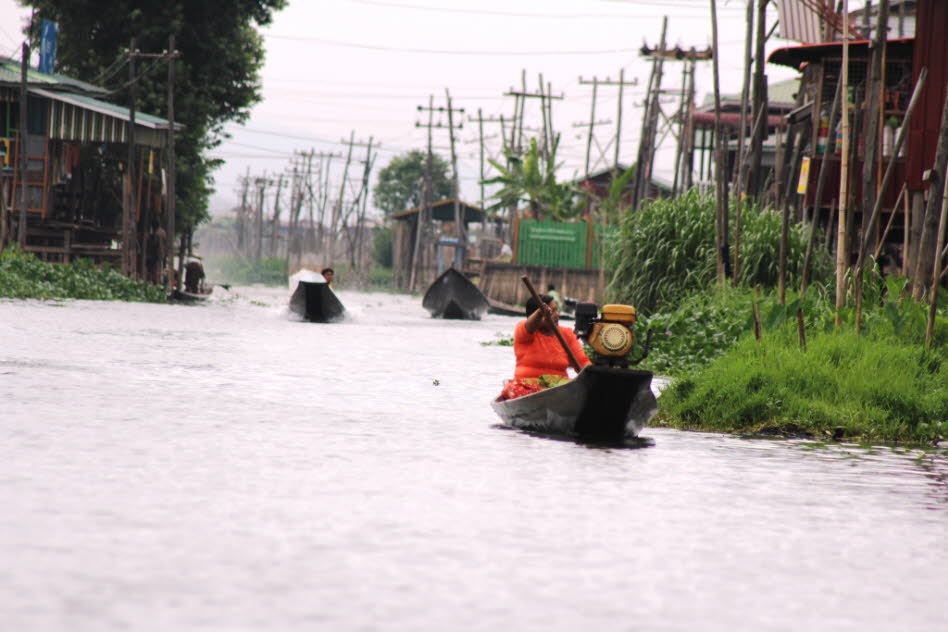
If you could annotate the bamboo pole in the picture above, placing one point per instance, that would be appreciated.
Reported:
(719, 170)
(936, 268)
(885, 232)
(745, 95)
(842, 253)
(877, 207)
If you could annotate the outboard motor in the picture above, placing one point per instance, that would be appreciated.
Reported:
(610, 334)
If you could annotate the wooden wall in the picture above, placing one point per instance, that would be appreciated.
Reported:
(501, 281)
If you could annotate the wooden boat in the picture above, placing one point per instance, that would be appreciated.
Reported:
(184, 296)
(316, 302)
(504, 309)
(452, 295)
(601, 402)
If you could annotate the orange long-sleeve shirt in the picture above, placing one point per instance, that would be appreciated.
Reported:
(541, 354)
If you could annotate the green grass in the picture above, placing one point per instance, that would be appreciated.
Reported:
(240, 271)
(844, 386)
(24, 276)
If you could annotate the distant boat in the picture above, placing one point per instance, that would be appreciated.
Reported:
(504, 309)
(184, 296)
(315, 301)
(452, 295)
(601, 402)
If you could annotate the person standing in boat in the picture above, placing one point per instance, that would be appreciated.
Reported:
(328, 274)
(536, 347)
(194, 276)
(551, 290)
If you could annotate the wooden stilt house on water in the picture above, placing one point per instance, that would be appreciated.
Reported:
(922, 44)
(63, 171)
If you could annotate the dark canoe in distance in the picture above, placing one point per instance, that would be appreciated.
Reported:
(316, 302)
(504, 309)
(452, 295)
(184, 296)
(600, 403)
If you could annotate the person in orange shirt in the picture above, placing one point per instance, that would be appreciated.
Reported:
(536, 347)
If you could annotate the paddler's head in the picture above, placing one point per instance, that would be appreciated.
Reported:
(533, 306)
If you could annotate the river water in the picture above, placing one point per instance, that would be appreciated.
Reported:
(225, 467)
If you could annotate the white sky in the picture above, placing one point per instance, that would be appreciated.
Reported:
(334, 67)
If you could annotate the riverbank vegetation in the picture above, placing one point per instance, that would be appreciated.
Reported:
(246, 271)
(25, 276)
(743, 361)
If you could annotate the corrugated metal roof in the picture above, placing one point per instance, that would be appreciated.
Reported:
(10, 74)
(102, 107)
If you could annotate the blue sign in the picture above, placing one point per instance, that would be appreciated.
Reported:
(47, 61)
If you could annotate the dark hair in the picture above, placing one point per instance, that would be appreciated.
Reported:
(533, 306)
(325, 270)
(550, 287)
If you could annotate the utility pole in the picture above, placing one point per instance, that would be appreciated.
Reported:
(621, 84)
(480, 120)
(170, 173)
(545, 99)
(337, 207)
(760, 102)
(459, 226)
(275, 222)
(261, 193)
(128, 215)
(643, 164)
(242, 214)
(449, 111)
(739, 183)
(421, 220)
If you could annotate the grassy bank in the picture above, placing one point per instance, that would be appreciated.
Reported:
(843, 386)
(25, 276)
(881, 385)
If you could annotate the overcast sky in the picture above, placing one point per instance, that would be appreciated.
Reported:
(334, 67)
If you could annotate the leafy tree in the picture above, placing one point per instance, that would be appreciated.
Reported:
(530, 182)
(216, 77)
(401, 182)
(382, 251)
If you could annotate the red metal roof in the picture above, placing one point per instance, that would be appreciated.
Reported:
(794, 56)
(706, 119)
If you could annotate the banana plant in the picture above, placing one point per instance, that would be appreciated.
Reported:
(528, 183)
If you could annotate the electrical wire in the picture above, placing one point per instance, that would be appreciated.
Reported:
(428, 51)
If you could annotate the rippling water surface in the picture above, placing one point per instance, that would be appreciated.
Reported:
(224, 467)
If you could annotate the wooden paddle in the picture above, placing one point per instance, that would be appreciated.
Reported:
(556, 330)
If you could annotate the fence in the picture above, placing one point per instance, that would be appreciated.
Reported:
(558, 244)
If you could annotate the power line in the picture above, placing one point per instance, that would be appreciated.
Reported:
(429, 51)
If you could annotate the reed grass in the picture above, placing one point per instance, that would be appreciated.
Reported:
(666, 251)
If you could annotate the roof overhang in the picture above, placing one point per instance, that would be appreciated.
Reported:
(796, 56)
(443, 211)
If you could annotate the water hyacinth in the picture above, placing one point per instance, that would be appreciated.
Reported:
(24, 276)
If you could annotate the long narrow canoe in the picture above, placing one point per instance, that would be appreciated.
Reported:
(316, 302)
(601, 402)
(452, 295)
(183, 296)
